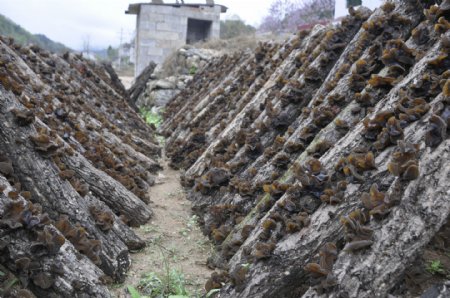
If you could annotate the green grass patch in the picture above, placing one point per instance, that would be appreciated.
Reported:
(169, 283)
(151, 117)
(155, 285)
(193, 70)
(435, 267)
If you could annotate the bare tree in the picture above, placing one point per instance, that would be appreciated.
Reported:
(278, 11)
(288, 15)
(86, 44)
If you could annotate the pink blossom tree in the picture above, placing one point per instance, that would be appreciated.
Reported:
(288, 15)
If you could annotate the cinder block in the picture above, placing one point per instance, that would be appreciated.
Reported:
(165, 35)
(163, 29)
(148, 34)
(147, 25)
(154, 51)
(164, 44)
(147, 43)
(156, 58)
(173, 19)
(156, 17)
(162, 26)
(163, 9)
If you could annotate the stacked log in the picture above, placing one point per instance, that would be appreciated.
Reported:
(140, 84)
(339, 151)
(76, 165)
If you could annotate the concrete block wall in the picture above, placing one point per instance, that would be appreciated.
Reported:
(161, 29)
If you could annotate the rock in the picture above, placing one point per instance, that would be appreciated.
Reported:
(181, 85)
(157, 97)
(165, 84)
(173, 75)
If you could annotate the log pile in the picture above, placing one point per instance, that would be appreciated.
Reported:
(320, 167)
(76, 163)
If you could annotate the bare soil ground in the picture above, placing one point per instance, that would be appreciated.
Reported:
(174, 239)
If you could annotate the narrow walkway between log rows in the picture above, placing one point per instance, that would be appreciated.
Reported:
(175, 242)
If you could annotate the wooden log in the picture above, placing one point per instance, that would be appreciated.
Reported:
(39, 174)
(394, 234)
(45, 268)
(139, 85)
(198, 168)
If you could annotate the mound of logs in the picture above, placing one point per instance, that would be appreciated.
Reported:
(319, 167)
(76, 163)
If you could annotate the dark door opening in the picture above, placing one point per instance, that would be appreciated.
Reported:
(198, 30)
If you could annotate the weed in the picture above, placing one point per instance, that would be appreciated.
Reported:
(172, 251)
(163, 285)
(190, 226)
(174, 194)
(133, 292)
(161, 140)
(169, 283)
(435, 267)
(151, 117)
(193, 221)
(8, 284)
(193, 70)
(117, 285)
(149, 229)
(156, 240)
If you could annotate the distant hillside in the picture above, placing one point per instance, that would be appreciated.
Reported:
(22, 36)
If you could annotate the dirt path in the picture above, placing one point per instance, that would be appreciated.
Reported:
(175, 242)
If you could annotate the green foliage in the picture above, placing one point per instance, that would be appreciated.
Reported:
(156, 285)
(112, 53)
(151, 117)
(235, 28)
(168, 284)
(435, 267)
(133, 292)
(190, 226)
(8, 284)
(192, 70)
(23, 37)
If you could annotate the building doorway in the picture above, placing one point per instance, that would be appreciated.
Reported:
(198, 30)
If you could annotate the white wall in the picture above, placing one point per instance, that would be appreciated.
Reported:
(341, 10)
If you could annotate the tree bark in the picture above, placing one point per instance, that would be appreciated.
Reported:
(70, 101)
(140, 83)
(69, 273)
(265, 254)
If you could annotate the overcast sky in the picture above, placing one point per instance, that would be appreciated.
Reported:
(73, 21)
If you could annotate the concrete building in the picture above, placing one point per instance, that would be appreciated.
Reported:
(162, 28)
